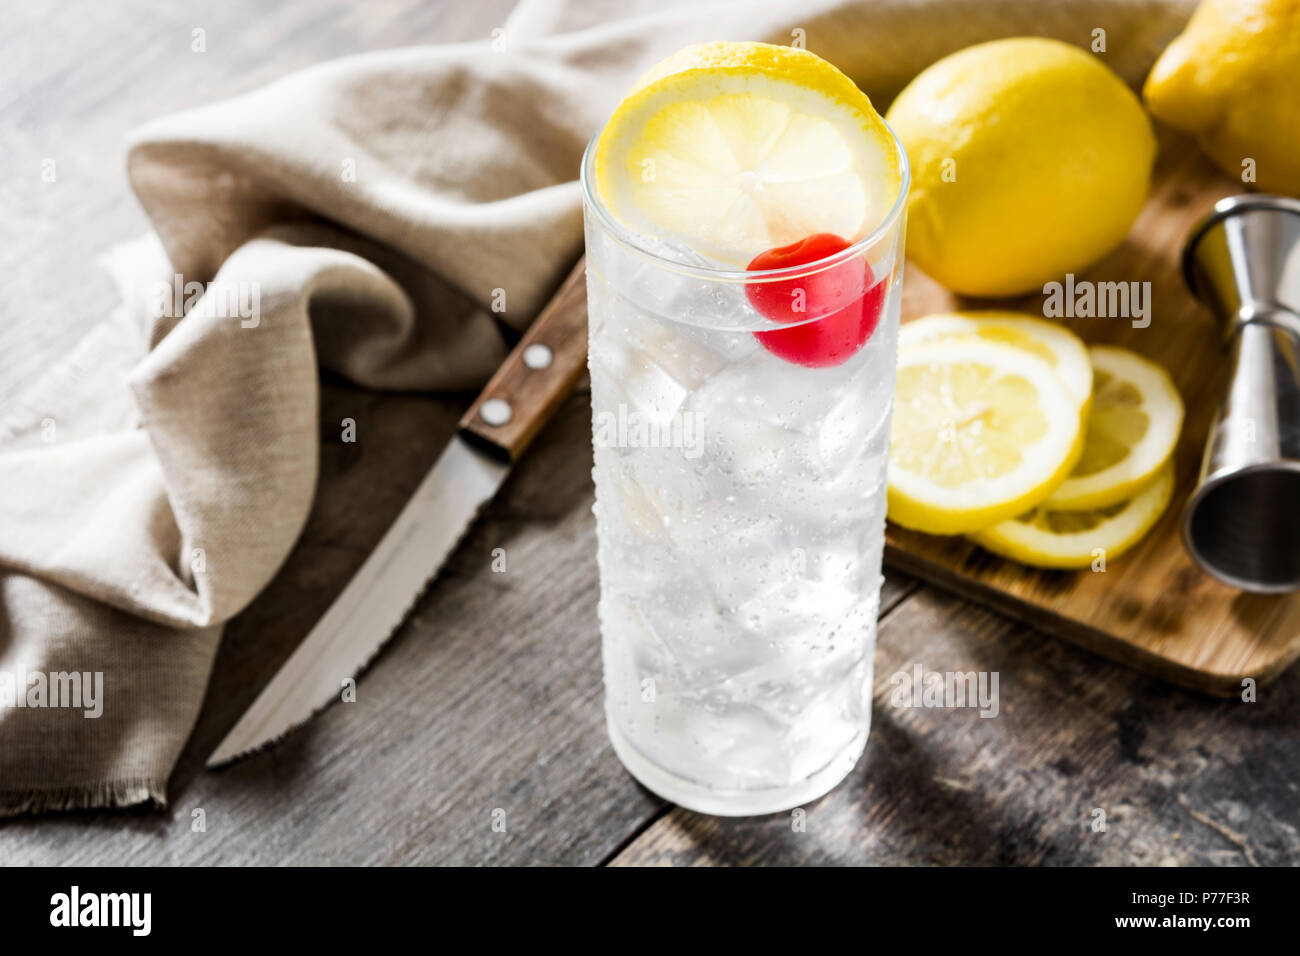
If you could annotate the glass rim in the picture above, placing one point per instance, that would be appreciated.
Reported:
(632, 241)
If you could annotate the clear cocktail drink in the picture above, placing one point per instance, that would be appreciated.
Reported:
(741, 429)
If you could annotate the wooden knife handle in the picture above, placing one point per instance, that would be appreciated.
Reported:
(537, 376)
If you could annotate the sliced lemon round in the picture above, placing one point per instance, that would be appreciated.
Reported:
(1050, 341)
(1132, 429)
(1048, 538)
(982, 432)
(736, 148)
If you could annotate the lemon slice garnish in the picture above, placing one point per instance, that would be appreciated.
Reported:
(1077, 539)
(737, 148)
(982, 432)
(1050, 341)
(1132, 428)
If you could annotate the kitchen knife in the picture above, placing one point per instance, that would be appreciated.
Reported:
(523, 394)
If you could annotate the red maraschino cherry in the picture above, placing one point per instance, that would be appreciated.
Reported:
(838, 308)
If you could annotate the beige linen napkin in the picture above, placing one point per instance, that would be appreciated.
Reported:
(357, 217)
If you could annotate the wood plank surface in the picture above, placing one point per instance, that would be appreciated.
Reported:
(1151, 608)
(1181, 779)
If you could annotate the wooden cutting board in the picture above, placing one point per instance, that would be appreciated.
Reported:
(1152, 608)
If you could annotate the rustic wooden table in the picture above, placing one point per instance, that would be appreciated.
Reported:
(489, 699)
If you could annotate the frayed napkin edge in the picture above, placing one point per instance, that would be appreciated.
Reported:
(108, 794)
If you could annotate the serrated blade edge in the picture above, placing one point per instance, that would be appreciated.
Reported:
(375, 602)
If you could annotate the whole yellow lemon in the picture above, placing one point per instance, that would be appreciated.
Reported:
(1232, 79)
(1030, 159)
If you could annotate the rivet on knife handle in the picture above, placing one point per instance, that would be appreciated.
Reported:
(539, 374)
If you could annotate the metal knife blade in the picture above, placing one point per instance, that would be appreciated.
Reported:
(375, 601)
(536, 377)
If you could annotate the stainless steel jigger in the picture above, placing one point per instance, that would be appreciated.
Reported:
(1242, 524)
